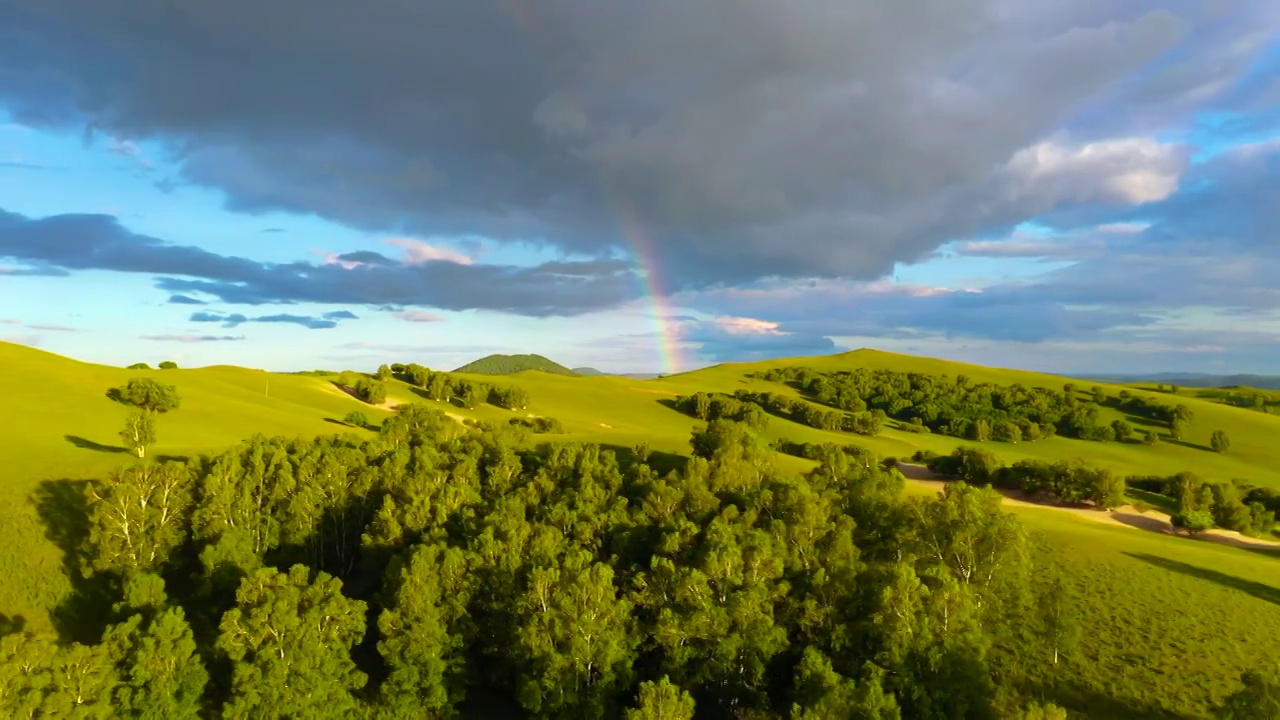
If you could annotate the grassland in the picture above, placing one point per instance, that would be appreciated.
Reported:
(1170, 622)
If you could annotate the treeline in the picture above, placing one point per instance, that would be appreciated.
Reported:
(402, 574)
(754, 410)
(1201, 505)
(1067, 481)
(445, 387)
(1198, 505)
(983, 412)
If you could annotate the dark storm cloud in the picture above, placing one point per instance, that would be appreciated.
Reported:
(814, 138)
(99, 242)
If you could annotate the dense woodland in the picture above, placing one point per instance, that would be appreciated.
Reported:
(401, 575)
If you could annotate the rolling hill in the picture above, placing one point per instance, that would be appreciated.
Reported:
(509, 364)
(1170, 622)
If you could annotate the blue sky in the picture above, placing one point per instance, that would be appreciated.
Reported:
(1071, 187)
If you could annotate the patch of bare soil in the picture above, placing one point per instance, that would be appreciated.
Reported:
(1125, 516)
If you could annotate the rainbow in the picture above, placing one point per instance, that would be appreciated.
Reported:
(646, 258)
(640, 244)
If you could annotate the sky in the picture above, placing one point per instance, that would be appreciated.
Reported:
(1073, 186)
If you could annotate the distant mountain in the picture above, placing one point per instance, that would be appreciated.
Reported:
(507, 364)
(588, 371)
(1196, 380)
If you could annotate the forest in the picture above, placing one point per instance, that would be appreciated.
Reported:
(408, 574)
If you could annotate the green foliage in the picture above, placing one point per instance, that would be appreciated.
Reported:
(355, 418)
(148, 395)
(139, 432)
(168, 365)
(509, 398)
(384, 373)
(1220, 442)
(289, 640)
(137, 518)
(161, 674)
(508, 364)
(139, 366)
(370, 391)
(661, 701)
(541, 425)
(1193, 522)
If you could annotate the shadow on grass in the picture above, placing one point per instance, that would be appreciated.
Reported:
(86, 444)
(1091, 702)
(85, 613)
(1256, 589)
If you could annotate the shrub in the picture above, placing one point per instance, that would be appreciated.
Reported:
(139, 366)
(370, 391)
(168, 365)
(355, 418)
(1193, 521)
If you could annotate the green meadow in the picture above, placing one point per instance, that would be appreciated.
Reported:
(1169, 622)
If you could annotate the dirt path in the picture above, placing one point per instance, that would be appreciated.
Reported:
(1125, 516)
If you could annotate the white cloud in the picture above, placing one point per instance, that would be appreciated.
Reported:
(746, 326)
(1132, 170)
(417, 252)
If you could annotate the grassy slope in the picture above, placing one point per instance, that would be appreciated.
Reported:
(65, 428)
(1170, 622)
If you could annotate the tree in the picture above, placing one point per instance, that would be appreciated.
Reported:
(1108, 489)
(661, 701)
(574, 641)
(290, 641)
(1150, 438)
(1099, 395)
(384, 373)
(139, 432)
(370, 391)
(162, 676)
(472, 394)
(719, 435)
(148, 395)
(168, 365)
(1123, 430)
(139, 366)
(1059, 623)
(355, 418)
(1220, 442)
(137, 517)
(423, 639)
(1193, 521)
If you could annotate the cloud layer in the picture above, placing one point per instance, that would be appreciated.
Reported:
(819, 138)
(98, 242)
